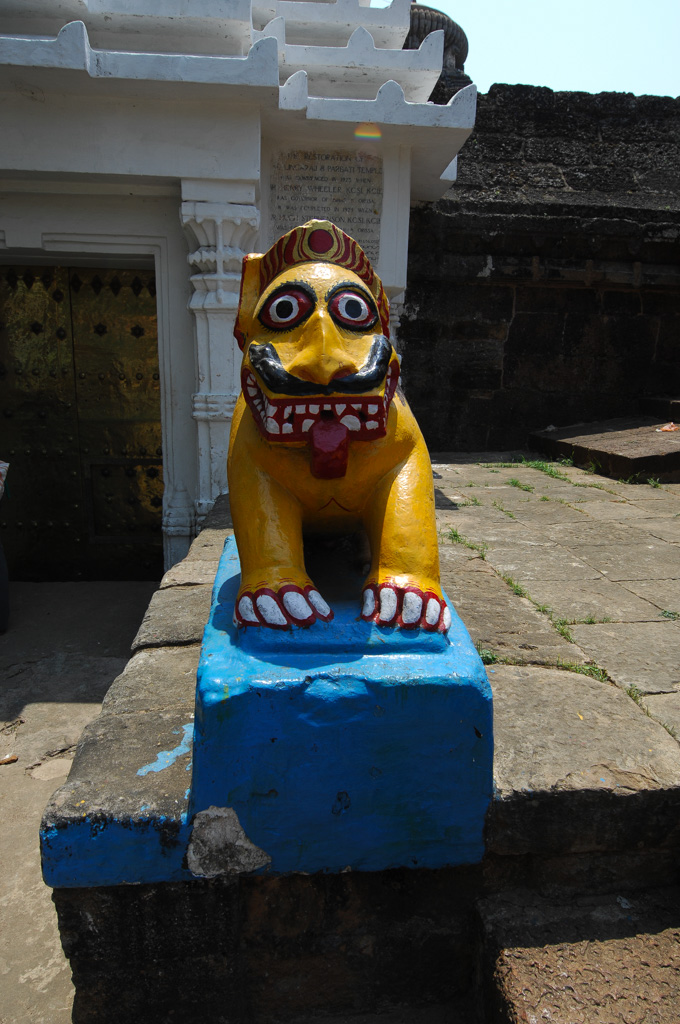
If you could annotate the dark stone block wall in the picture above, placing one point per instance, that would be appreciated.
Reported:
(544, 288)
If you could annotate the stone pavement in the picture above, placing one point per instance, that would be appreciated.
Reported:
(550, 565)
(65, 645)
(569, 583)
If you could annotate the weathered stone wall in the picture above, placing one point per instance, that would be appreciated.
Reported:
(544, 288)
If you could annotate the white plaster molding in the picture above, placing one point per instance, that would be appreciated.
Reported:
(332, 24)
(390, 106)
(44, 185)
(357, 70)
(185, 26)
(71, 51)
(179, 523)
(213, 407)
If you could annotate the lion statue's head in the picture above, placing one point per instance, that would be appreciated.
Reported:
(313, 323)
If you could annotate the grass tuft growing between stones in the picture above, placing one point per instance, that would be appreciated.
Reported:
(505, 511)
(636, 695)
(488, 656)
(667, 614)
(458, 538)
(514, 482)
(562, 627)
(516, 588)
(592, 671)
(550, 469)
(545, 467)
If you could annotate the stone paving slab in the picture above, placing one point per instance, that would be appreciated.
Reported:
(665, 708)
(188, 573)
(600, 599)
(542, 513)
(475, 526)
(665, 594)
(648, 559)
(641, 654)
(539, 560)
(572, 757)
(662, 529)
(578, 535)
(65, 644)
(657, 500)
(611, 960)
(615, 510)
(500, 623)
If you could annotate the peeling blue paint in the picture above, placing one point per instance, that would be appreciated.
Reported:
(106, 851)
(165, 758)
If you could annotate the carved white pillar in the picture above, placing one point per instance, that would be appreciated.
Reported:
(397, 305)
(179, 521)
(221, 234)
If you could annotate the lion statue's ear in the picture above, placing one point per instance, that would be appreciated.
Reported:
(250, 293)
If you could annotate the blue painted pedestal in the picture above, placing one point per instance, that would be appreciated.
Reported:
(345, 744)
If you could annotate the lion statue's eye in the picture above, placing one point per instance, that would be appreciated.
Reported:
(351, 309)
(286, 309)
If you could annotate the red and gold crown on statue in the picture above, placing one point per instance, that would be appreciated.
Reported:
(317, 241)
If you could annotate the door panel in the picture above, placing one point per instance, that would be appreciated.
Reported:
(80, 406)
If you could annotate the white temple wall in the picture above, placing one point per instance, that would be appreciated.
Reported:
(50, 131)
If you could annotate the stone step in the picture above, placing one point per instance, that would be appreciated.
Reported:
(663, 406)
(589, 960)
(465, 1010)
(633, 447)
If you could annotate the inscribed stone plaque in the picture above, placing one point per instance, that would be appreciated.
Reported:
(343, 186)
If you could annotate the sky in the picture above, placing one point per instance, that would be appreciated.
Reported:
(574, 45)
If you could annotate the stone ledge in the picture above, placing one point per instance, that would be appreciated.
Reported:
(176, 616)
(130, 776)
(607, 958)
(578, 768)
(620, 448)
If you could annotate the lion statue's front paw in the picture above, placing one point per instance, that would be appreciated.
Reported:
(282, 607)
(408, 607)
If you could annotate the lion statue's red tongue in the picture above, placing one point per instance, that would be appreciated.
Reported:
(330, 448)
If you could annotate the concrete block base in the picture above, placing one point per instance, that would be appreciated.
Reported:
(343, 745)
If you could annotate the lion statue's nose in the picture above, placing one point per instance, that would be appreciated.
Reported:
(322, 361)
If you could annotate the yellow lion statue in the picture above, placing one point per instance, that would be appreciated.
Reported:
(323, 440)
